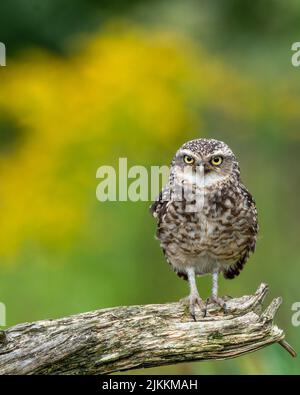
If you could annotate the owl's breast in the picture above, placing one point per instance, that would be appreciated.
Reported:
(222, 229)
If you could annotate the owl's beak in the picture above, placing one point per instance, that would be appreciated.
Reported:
(200, 164)
(200, 167)
(200, 171)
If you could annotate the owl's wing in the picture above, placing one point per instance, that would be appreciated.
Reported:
(235, 269)
(252, 209)
(158, 208)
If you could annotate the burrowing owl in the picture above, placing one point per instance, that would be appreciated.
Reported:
(207, 220)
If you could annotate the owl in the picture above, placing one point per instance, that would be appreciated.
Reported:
(206, 218)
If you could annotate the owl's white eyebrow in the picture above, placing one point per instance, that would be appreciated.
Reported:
(218, 153)
(188, 152)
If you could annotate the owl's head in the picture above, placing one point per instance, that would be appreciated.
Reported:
(214, 157)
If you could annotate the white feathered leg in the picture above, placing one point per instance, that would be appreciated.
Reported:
(194, 298)
(214, 292)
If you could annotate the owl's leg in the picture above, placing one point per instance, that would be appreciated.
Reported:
(194, 298)
(215, 285)
(214, 292)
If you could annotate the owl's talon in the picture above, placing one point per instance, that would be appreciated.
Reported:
(193, 301)
(218, 301)
(205, 309)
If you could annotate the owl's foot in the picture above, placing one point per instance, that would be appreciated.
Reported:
(216, 300)
(192, 301)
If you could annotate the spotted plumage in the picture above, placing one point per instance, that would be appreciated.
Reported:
(206, 218)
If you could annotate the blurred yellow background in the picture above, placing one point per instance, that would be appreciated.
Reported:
(137, 81)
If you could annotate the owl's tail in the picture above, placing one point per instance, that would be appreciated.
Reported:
(236, 268)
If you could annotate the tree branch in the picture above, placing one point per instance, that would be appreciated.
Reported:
(123, 338)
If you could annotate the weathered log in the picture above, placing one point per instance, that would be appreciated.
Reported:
(124, 338)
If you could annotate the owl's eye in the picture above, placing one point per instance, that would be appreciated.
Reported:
(189, 160)
(216, 160)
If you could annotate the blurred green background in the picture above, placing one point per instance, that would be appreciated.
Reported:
(90, 81)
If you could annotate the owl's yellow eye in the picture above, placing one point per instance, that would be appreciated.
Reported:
(189, 160)
(216, 160)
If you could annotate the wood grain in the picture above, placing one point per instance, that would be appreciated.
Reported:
(124, 338)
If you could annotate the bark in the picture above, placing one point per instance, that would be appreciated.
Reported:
(124, 338)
